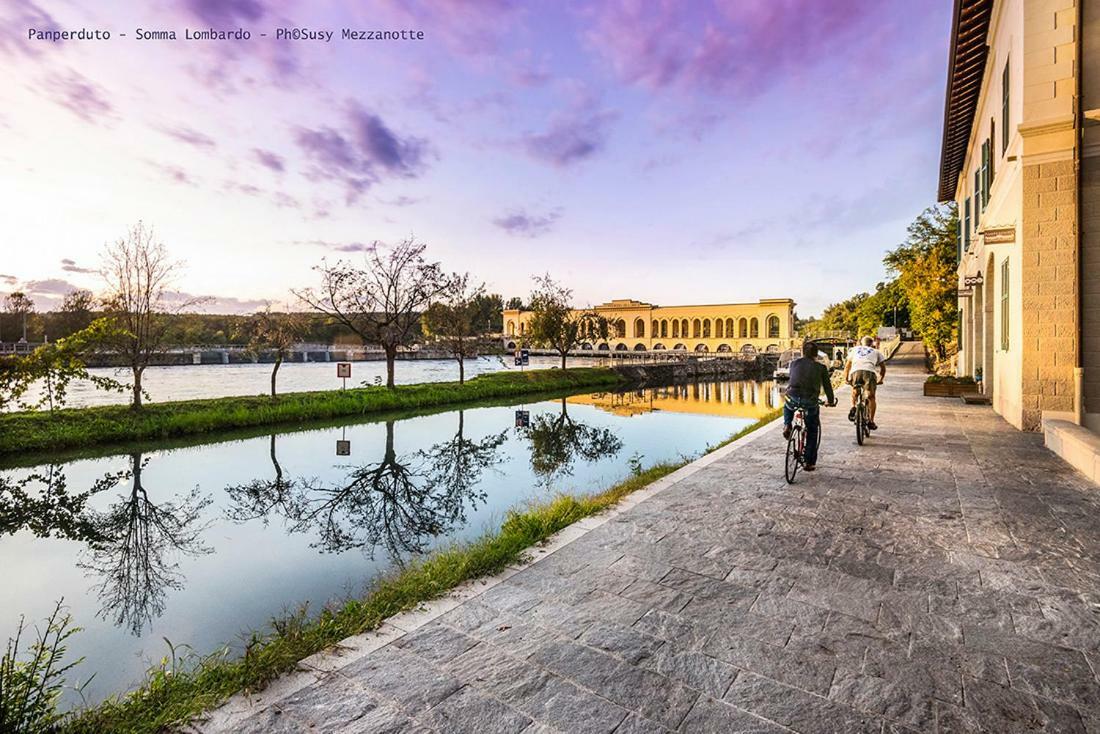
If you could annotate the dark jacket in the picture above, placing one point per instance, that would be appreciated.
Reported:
(808, 378)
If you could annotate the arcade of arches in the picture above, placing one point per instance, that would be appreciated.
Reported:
(767, 325)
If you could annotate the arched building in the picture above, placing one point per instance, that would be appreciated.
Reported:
(764, 326)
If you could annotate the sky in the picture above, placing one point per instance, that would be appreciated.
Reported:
(668, 151)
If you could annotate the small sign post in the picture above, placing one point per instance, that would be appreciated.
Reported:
(523, 419)
(343, 447)
(343, 371)
(523, 357)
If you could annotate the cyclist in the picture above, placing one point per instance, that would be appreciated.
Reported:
(866, 367)
(808, 378)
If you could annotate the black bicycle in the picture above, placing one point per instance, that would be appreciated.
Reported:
(796, 443)
(861, 418)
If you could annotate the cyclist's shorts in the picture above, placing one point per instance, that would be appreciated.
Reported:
(866, 378)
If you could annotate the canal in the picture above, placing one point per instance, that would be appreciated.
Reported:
(199, 544)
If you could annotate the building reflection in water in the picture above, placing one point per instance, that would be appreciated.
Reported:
(741, 399)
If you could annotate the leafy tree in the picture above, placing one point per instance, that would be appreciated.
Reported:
(488, 310)
(382, 302)
(925, 268)
(557, 441)
(139, 274)
(555, 324)
(59, 363)
(514, 303)
(20, 305)
(451, 321)
(77, 312)
(274, 333)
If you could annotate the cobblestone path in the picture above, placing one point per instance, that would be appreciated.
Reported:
(944, 577)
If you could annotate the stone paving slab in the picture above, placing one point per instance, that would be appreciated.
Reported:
(945, 577)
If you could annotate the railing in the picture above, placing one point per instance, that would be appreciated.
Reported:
(18, 347)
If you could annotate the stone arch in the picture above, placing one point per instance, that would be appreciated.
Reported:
(748, 349)
(772, 348)
(702, 348)
(511, 345)
(684, 328)
(620, 347)
(696, 328)
(729, 328)
(679, 348)
(639, 328)
(725, 348)
(773, 326)
(743, 328)
(664, 328)
(587, 345)
(754, 328)
(706, 328)
(511, 328)
(639, 347)
(675, 328)
(620, 329)
(522, 328)
(719, 329)
(603, 347)
(658, 347)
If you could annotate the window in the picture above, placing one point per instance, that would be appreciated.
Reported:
(992, 158)
(1004, 306)
(958, 240)
(987, 177)
(966, 228)
(1004, 109)
(754, 328)
(773, 327)
(978, 205)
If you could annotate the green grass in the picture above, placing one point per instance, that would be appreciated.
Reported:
(177, 691)
(81, 427)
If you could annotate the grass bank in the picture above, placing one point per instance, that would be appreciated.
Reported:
(81, 427)
(175, 692)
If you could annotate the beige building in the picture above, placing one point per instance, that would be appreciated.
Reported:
(1021, 157)
(764, 326)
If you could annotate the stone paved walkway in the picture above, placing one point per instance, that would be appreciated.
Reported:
(944, 577)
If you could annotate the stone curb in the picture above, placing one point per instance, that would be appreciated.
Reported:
(328, 662)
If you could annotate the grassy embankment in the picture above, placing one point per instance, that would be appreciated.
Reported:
(81, 427)
(174, 694)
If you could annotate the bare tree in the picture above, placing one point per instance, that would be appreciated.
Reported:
(382, 302)
(453, 320)
(275, 333)
(556, 324)
(19, 304)
(139, 274)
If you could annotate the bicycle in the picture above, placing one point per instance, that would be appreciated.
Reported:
(861, 420)
(796, 444)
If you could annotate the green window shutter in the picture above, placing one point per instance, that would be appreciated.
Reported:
(986, 178)
(1004, 306)
(958, 240)
(966, 228)
(992, 142)
(1004, 109)
(978, 206)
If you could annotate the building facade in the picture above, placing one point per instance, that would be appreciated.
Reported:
(764, 326)
(1020, 157)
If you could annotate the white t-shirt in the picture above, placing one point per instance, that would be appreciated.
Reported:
(865, 358)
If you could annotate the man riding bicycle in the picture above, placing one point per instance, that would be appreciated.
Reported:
(865, 367)
(808, 378)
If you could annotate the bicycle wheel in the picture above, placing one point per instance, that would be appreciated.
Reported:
(794, 455)
(819, 432)
(861, 424)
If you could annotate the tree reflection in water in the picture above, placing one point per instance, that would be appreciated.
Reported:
(399, 502)
(50, 510)
(136, 550)
(557, 441)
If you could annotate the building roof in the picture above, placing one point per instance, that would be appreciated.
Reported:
(966, 67)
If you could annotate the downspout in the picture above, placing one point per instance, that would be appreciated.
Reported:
(1078, 133)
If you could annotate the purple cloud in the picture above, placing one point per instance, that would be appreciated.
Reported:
(336, 246)
(222, 14)
(361, 155)
(81, 96)
(48, 287)
(521, 223)
(190, 136)
(571, 138)
(742, 46)
(284, 200)
(70, 266)
(8, 279)
(269, 160)
(18, 17)
(173, 173)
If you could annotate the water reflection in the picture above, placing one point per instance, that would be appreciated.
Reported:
(557, 441)
(51, 511)
(399, 503)
(135, 550)
(729, 399)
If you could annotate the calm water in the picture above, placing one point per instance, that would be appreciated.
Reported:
(188, 382)
(200, 544)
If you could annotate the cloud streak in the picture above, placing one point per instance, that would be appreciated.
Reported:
(521, 223)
